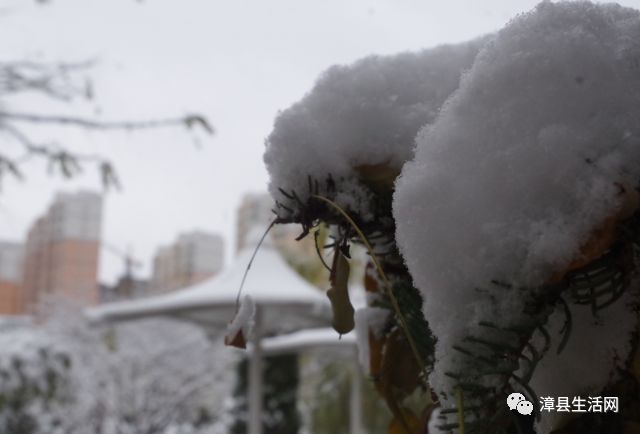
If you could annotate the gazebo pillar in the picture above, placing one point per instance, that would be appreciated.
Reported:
(255, 377)
(355, 398)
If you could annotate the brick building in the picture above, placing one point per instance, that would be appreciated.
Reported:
(62, 250)
(11, 257)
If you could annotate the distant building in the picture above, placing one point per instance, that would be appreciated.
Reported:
(192, 258)
(11, 258)
(62, 249)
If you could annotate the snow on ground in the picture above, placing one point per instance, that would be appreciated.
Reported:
(367, 113)
(520, 165)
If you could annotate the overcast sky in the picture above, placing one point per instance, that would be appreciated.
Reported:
(237, 62)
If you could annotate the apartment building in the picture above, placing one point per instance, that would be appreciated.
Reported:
(11, 259)
(193, 257)
(62, 250)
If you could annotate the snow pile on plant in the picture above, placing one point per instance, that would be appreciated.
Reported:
(360, 121)
(525, 160)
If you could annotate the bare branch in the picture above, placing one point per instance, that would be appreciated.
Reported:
(55, 80)
(59, 81)
(190, 121)
(68, 163)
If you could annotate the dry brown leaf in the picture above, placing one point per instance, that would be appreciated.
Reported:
(238, 340)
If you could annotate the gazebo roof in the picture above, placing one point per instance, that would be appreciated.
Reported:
(286, 300)
(310, 339)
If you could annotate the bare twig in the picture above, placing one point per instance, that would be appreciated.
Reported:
(58, 81)
(54, 80)
(190, 121)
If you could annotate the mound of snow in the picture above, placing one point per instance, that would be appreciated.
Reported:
(520, 166)
(365, 114)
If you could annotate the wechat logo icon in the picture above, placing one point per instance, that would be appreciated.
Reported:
(516, 401)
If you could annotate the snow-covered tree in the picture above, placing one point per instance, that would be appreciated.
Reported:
(504, 256)
(144, 377)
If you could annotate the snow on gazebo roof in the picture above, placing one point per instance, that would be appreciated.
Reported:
(315, 338)
(272, 284)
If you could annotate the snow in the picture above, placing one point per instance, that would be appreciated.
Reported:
(434, 422)
(92, 379)
(583, 368)
(367, 319)
(317, 339)
(244, 319)
(520, 166)
(364, 114)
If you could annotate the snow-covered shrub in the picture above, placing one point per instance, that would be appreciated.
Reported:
(523, 178)
(349, 137)
(34, 385)
(342, 146)
(346, 142)
(516, 217)
(143, 377)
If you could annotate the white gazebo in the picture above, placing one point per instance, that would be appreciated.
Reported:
(283, 300)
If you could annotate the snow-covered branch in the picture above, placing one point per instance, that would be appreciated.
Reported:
(146, 377)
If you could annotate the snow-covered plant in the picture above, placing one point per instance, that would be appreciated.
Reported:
(333, 158)
(33, 384)
(518, 217)
(348, 138)
(148, 377)
(162, 373)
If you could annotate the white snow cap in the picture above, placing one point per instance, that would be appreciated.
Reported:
(367, 113)
(520, 165)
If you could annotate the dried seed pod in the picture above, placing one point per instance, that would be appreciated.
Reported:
(338, 294)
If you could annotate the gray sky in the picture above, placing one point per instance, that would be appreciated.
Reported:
(238, 62)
